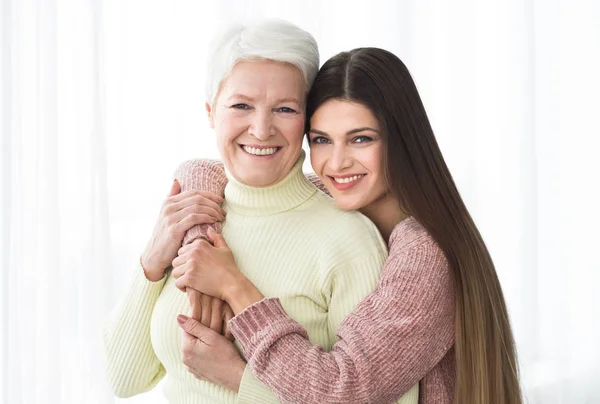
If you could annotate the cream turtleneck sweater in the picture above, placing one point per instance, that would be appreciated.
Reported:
(293, 243)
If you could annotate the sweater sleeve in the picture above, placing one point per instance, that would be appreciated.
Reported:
(131, 364)
(388, 344)
(201, 175)
(316, 181)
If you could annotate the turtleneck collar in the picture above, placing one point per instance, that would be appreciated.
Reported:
(287, 194)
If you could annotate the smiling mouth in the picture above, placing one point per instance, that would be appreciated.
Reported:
(347, 180)
(260, 151)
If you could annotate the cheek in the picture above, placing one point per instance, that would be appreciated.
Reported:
(375, 161)
(317, 159)
(372, 158)
(227, 128)
(293, 129)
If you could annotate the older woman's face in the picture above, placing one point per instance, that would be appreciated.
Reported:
(258, 118)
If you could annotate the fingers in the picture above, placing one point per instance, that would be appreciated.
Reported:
(206, 310)
(190, 221)
(198, 204)
(228, 316)
(179, 267)
(190, 325)
(216, 318)
(227, 333)
(216, 239)
(195, 299)
(182, 283)
(185, 259)
(184, 254)
(189, 247)
(208, 196)
(175, 189)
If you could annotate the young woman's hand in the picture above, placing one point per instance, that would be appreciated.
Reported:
(179, 213)
(210, 269)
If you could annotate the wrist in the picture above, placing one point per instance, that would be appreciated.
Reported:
(241, 293)
(236, 376)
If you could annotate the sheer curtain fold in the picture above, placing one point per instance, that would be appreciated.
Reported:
(101, 100)
(55, 221)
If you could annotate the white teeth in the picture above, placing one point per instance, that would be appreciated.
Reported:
(347, 180)
(260, 152)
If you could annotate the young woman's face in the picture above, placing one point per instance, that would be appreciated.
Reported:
(346, 153)
(258, 117)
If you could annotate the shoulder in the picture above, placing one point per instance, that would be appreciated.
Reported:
(408, 234)
(198, 166)
(350, 223)
(414, 253)
(343, 236)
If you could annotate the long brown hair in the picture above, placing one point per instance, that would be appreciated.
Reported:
(486, 360)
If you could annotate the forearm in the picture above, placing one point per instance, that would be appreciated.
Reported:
(240, 293)
(201, 175)
(277, 347)
(357, 370)
(385, 346)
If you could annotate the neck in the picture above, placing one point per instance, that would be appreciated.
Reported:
(287, 194)
(386, 213)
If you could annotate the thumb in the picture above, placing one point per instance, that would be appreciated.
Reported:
(175, 188)
(191, 326)
(216, 239)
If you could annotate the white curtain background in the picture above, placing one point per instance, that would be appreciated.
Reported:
(102, 99)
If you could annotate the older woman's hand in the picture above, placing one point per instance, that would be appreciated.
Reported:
(179, 213)
(210, 269)
(209, 356)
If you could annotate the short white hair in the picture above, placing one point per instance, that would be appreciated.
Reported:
(270, 39)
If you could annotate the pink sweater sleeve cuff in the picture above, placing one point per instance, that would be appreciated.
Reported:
(201, 175)
(262, 323)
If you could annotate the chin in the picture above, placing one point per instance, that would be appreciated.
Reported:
(347, 204)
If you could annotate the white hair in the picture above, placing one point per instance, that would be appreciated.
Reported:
(270, 39)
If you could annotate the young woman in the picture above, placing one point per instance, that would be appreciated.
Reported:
(438, 314)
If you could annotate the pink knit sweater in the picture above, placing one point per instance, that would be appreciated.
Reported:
(402, 333)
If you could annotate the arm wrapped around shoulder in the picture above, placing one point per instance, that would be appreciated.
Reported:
(202, 175)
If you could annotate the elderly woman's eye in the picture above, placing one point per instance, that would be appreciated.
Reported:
(240, 106)
(286, 110)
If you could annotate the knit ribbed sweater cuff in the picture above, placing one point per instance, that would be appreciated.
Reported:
(262, 323)
(201, 175)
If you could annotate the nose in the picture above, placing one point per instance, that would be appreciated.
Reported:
(340, 158)
(262, 126)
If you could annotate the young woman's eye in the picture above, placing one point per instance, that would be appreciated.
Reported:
(362, 139)
(286, 110)
(240, 106)
(319, 140)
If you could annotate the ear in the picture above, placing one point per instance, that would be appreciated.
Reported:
(210, 115)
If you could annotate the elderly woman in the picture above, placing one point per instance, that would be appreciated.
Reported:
(289, 238)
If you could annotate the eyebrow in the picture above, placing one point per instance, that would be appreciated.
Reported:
(278, 101)
(350, 132)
